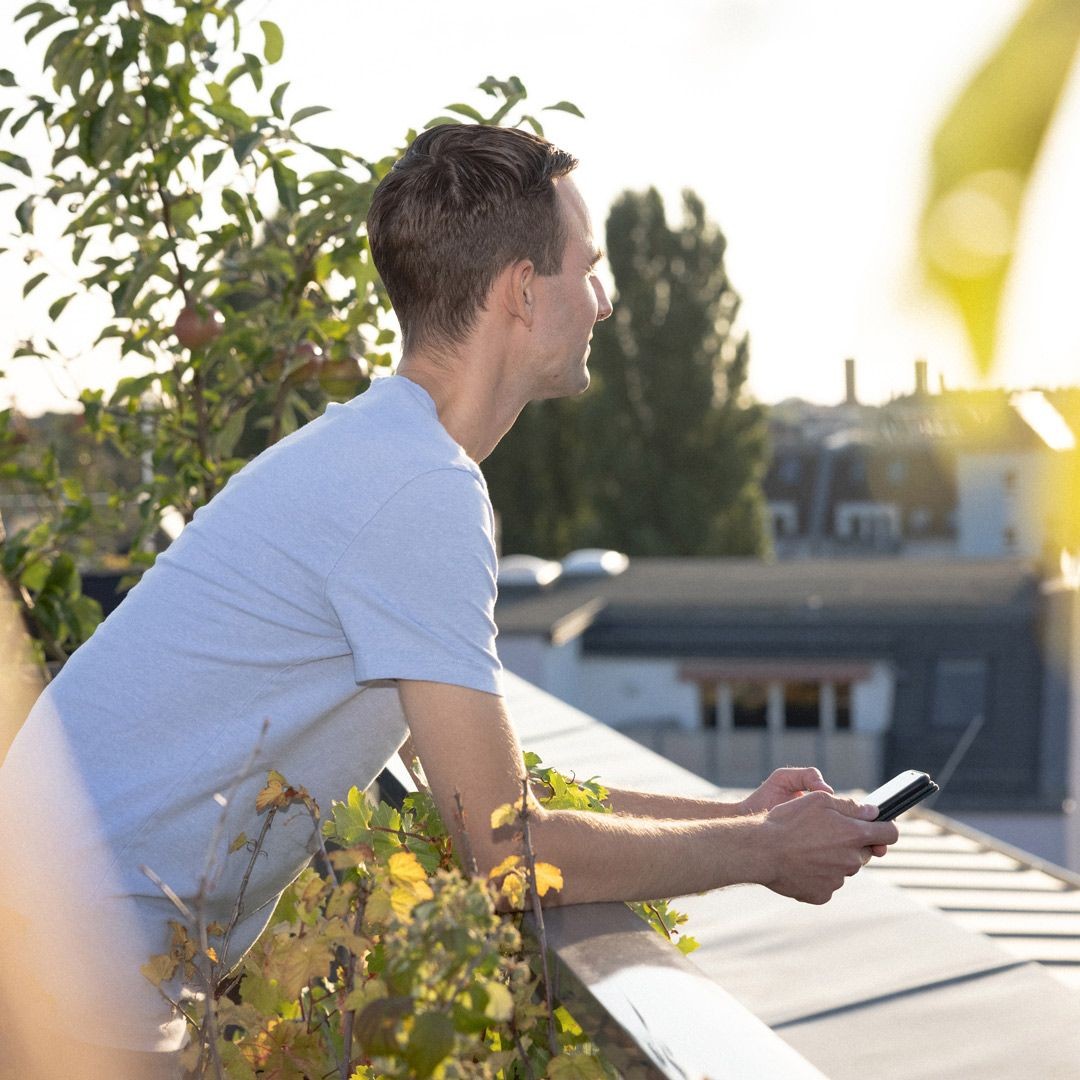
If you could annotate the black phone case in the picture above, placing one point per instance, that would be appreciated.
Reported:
(905, 800)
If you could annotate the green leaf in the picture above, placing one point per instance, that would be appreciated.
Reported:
(13, 161)
(6, 77)
(57, 306)
(564, 106)
(35, 575)
(4, 114)
(286, 182)
(211, 162)
(274, 42)
(466, 110)
(33, 283)
(430, 1040)
(245, 144)
(48, 17)
(310, 110)
(24, 213)
(276, 99)
(377, 1024)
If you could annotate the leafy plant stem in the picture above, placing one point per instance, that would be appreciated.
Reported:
(538, 914)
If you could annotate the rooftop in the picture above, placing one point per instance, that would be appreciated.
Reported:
(955, 956)
(748, 590)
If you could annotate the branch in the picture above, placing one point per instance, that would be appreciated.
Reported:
(538, 915)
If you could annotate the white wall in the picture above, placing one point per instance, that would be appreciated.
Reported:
(988, 506)
(554, 668)
(620, 691)
(872, 700)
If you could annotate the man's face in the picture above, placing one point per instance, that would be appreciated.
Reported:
(569, 304)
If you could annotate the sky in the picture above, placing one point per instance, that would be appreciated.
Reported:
(805, 127)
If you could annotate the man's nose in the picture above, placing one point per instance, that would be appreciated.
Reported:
(604, 308)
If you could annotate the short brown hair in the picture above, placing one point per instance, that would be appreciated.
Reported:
(463, 203)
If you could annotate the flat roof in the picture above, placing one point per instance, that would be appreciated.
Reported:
(814, 591)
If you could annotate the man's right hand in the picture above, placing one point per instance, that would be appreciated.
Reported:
(816, 840)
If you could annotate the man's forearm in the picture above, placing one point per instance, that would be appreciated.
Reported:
(669, 807)
(617, 857)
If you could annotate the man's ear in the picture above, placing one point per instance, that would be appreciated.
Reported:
(517, 288)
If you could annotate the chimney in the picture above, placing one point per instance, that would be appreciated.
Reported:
(921, 389)
(849, 383)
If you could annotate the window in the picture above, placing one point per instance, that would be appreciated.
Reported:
(749, 704)
(708, 704)
(959, 692)
(790, 470)
(802, 704)
(843, 706)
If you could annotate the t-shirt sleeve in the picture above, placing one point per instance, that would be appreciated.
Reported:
(415, 590)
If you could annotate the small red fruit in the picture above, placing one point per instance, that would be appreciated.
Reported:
(198, 325)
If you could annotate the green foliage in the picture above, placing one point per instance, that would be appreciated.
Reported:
(384, 961)
(663, 455)
(37, 560)
(231, 249)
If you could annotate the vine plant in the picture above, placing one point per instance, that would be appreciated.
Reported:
(387, 959)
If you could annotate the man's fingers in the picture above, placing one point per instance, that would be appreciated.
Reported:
(802, 779)
(877, 849)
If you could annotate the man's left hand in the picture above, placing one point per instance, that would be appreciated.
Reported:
(781, 786)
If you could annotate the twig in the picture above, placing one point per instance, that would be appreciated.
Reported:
(538, 915)
(348, 1018)
(467, 854)
(207, 882)
(519, 1047)
(648, 906)
(239, 907)
(170, 895)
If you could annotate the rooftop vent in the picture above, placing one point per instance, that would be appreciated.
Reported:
(527, 571)
(594, 562)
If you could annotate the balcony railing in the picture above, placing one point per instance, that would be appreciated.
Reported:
(652, 1012)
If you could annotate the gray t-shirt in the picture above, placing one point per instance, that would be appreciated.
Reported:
(358, 550)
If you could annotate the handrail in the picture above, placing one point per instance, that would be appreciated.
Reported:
(651, 1011)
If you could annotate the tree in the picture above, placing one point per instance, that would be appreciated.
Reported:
(663, 455)
(231, 250)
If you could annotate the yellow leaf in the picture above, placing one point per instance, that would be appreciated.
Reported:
(504, 815)
(548, 877)
(160, 969)
(242, 839)
(271, 795)
(508, 864)
(215, 929)
(378, 910)
(500, 1006)
(212, 953)
(405, 869)
(575, 1066)
(513, 888)
(404, 898)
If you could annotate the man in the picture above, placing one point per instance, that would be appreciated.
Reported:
(339, 594)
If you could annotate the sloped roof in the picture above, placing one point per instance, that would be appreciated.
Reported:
(919, 968)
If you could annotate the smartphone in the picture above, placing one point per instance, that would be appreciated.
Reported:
(900, 793)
